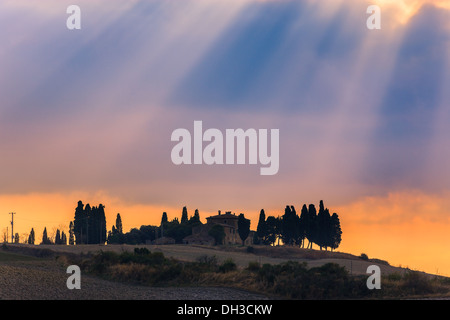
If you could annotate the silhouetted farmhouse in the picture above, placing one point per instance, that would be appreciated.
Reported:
(229, 222)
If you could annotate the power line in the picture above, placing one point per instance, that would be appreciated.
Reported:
(39, 221)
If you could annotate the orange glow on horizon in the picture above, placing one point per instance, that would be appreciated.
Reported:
(407, 228)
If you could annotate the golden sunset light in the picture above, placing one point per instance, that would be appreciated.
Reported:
(279, 131)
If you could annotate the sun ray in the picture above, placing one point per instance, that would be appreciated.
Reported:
(403, 10)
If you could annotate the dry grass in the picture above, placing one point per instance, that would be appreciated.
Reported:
(397, 282)
(9, 256)
(261, 254)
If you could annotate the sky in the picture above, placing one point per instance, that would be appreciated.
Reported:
(362, 114)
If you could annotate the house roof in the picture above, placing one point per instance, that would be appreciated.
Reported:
(227, 215)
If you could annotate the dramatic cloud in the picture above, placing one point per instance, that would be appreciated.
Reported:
(361, 113)
(95, 109)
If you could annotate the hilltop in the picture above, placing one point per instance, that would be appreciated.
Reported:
(241, 255)
(286, 272)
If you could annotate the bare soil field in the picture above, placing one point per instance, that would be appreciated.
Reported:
(27, 278)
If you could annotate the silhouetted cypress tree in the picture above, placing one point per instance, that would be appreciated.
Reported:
(164, 218)
(119, 227)
(63, 238)
(305, 223)
(324, 227)
(336, 232)
(101, 224)
(88, 223)
(79, 224)
(195, 219)
(319, 235)
(58, 237)
(289, 223)
(298, 227)
(243, 227)
(312, 225)
(272, 227)
(116, 234)
(45, 239)
(261, 229)
(184, 216)
(31, 237)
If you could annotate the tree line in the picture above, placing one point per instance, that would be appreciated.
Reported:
(176, 229)
(304, 229)
(87, 227)
(320, 228)
(60, 237)
(89, 224)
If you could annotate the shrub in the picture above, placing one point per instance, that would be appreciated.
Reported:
(209, 260)
(100, 262)
(364, 256)
(416, 283)
(142, 257)
(169, 273)
(227, 266)
(205, 263)
(253, 266)
(291, 280)
(141, 251)
(394, 277)
(294, 280)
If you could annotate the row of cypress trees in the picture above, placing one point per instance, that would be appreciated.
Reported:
(320, 227)
(89, 224)
(60, 237)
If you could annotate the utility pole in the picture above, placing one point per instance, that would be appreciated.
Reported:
(12, 226)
